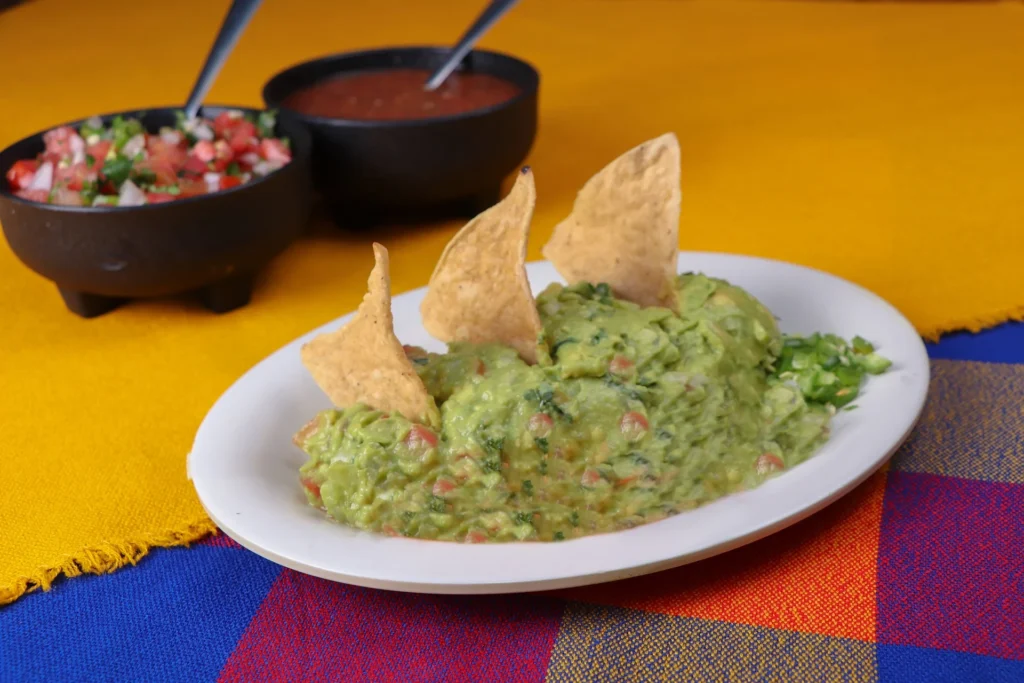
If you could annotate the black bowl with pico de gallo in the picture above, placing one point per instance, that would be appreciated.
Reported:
(150, 203)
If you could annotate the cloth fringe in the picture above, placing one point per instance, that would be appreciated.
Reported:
(974, 324)
(105, 558)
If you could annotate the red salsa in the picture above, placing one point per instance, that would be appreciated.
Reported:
(122, 164)
(398, 94)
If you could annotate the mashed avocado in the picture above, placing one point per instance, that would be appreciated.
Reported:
(631, 415)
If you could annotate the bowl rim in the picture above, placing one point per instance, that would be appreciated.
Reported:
(6, 193)
(524, 93)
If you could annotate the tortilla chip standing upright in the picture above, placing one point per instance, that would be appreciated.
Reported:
(479, 291)
(624, 226)
(363, 361)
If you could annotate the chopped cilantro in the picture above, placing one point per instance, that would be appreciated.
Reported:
(493, 445)
(266, 122)
(542, 444)
(574, 519)
(437, 504)
(117, 170)
(523, 518)
(559, 536)
(528, 487)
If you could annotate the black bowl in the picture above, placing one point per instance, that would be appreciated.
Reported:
(100, 256)
(370, 172)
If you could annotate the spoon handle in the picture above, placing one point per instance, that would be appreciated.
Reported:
(494, 11)
(231, 29)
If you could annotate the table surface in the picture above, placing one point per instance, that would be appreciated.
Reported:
(793, 115)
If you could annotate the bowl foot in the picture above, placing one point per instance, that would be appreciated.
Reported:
(228, 294)
(89, 305)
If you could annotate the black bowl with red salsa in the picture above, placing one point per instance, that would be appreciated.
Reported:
(386, 150)
(134, 205)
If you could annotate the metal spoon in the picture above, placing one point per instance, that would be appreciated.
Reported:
(494, 11)
(231, 29)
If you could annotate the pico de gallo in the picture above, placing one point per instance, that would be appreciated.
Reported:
(122, 164)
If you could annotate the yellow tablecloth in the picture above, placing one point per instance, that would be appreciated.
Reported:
(882, 142)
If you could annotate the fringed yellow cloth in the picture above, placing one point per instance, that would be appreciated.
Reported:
(881, 142)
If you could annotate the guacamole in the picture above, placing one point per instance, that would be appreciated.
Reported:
(630, 415)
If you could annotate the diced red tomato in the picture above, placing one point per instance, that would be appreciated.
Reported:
(73, 177)
(21, 173)
(98, 152)
(310, 485)
(229, 181)
(164, 172)
(474, 536)
(219, 165)
(273, 149)
(58, 141)
(226, 121)
(442, 487)
(768, 463)
(204, 151)
(621, 366)
(34, 195)
(194, 166)
(633, 425)
(590, 478)
(540, 425)
(160, 197)
(420, 438)
(164, 152)
(241, 136)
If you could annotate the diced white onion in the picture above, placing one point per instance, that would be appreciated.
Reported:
(135, 144)
(212, 181)
(43, 179)
(250, 158)
(77, 145)
(202, 131)
(130, 195)
(170, 136)
(94, 122)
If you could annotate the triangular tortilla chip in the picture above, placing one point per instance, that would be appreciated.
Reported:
(479, 291)
(624, 226)
(363, 361)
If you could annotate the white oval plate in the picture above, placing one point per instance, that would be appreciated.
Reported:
(244, 466)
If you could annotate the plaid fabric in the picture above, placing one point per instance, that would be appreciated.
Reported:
(918, 575)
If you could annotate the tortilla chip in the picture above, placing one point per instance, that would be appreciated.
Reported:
(624, 226)
(479, 291)
(363, 361)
